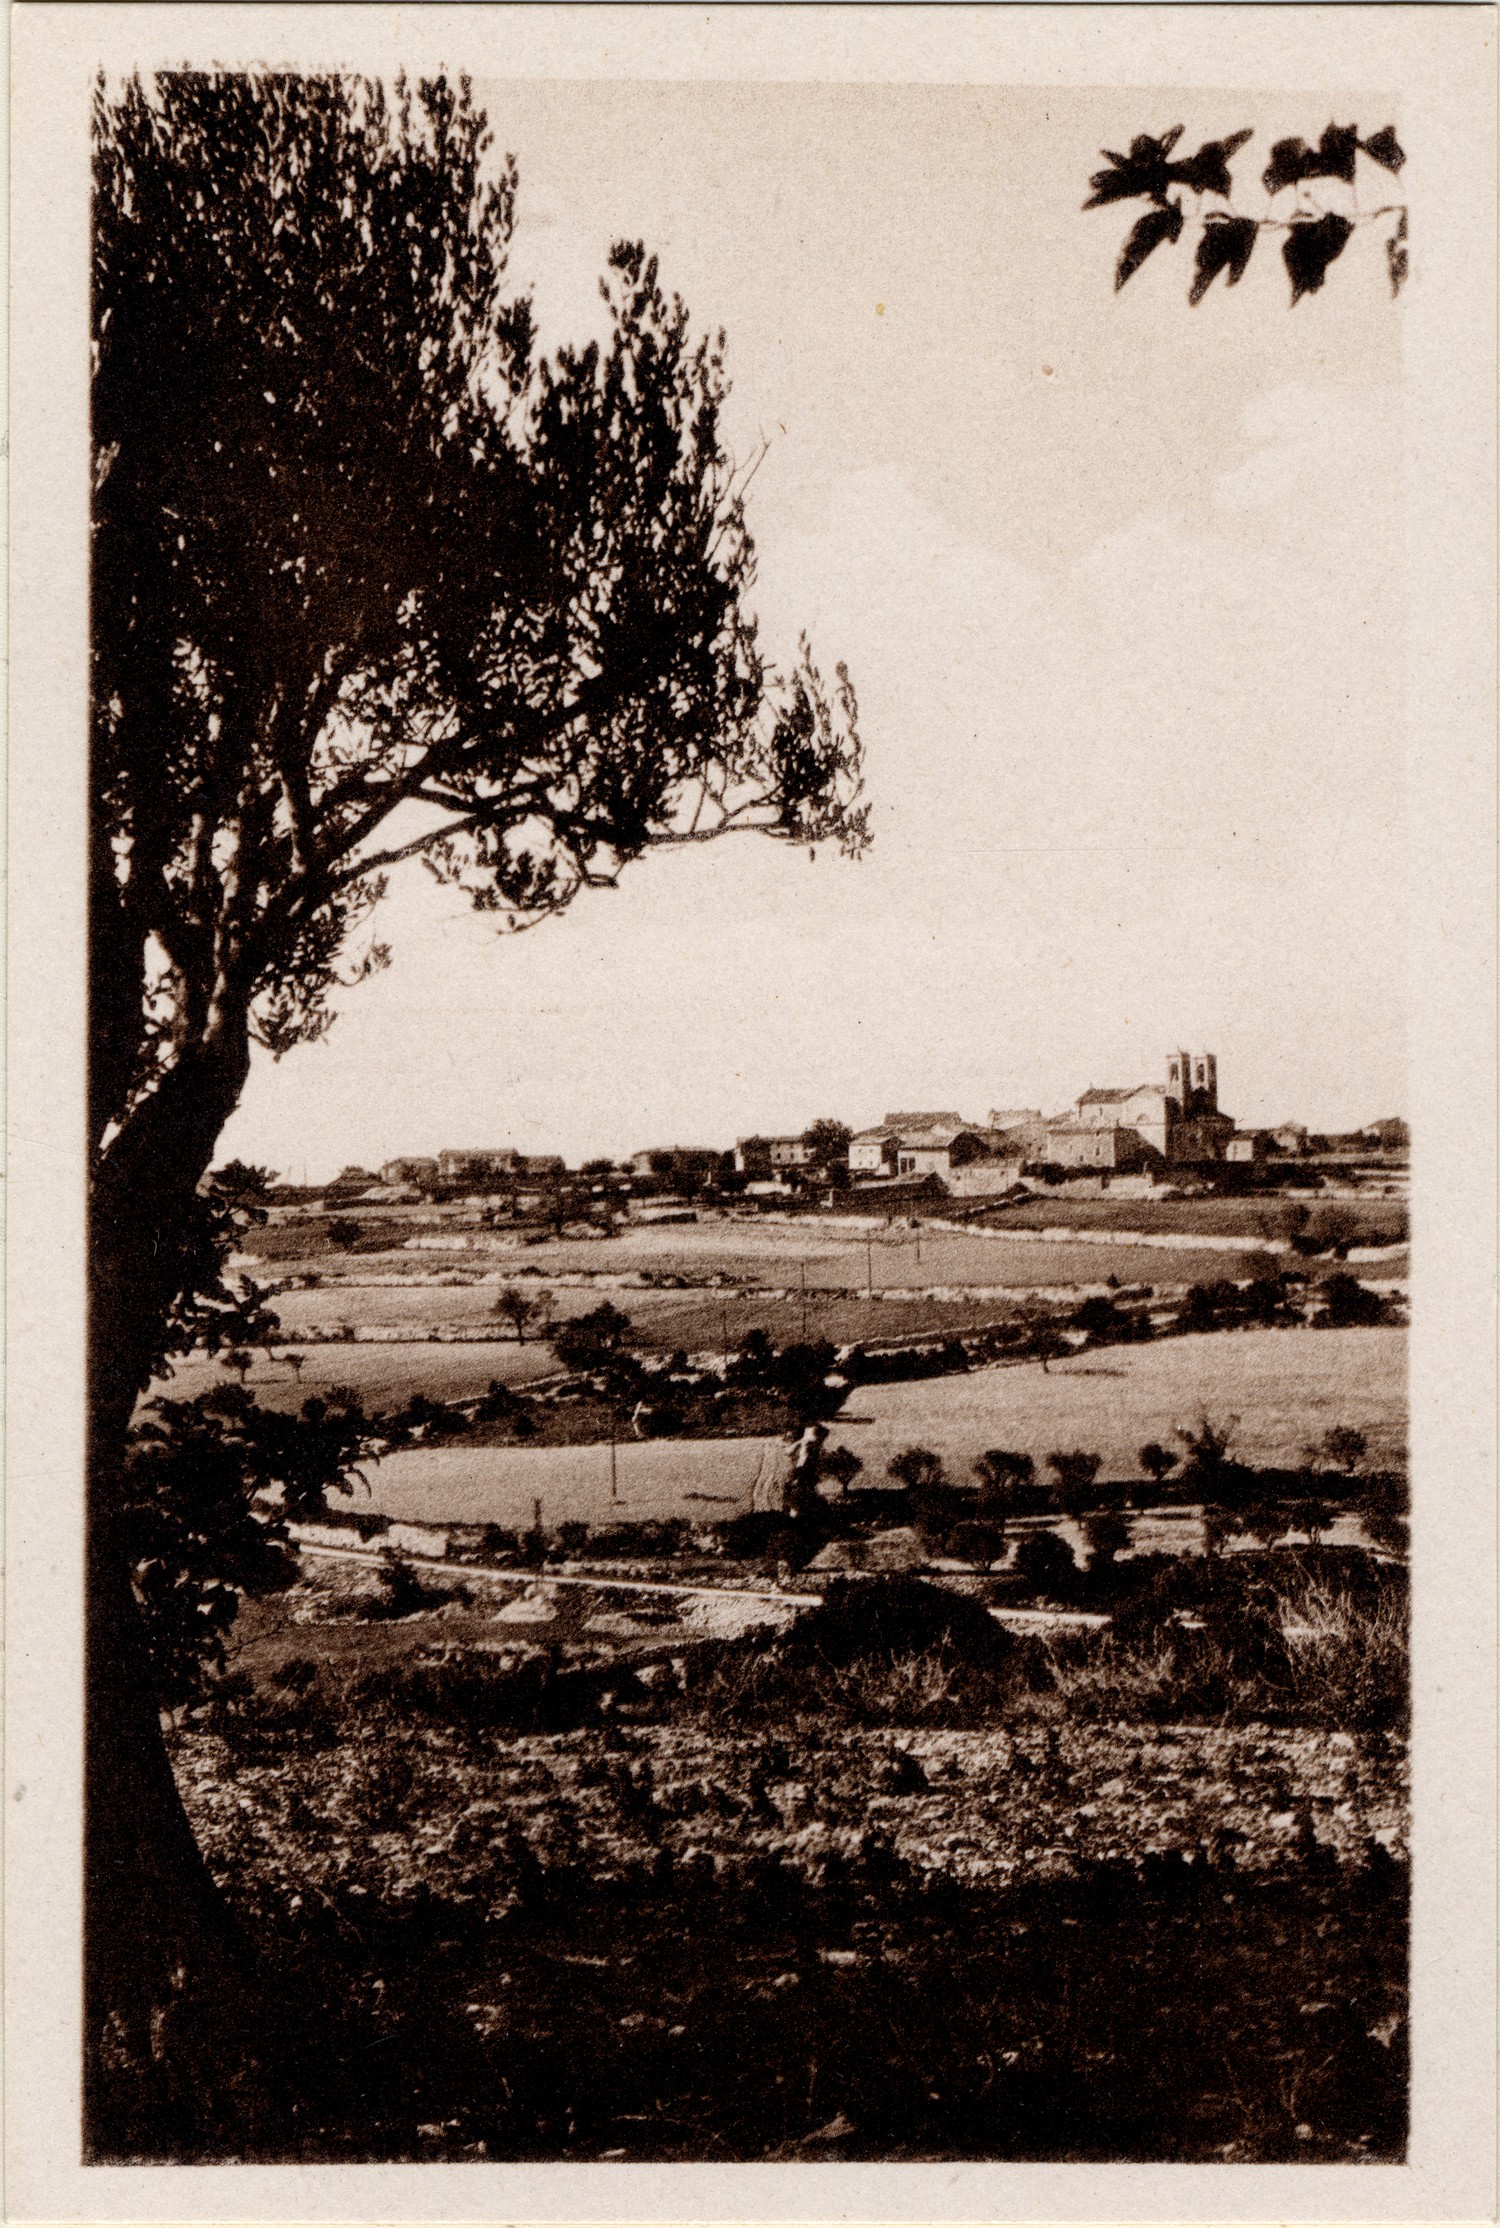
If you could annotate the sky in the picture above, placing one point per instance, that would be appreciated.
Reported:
(1120, 587)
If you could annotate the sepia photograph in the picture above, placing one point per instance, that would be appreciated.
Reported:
(748, 791)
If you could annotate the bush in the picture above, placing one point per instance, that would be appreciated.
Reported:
(403, 1592)
(1346, 1302)
(863, 1618)
(1046, 1564)
(973, 1542)
(592, 1341)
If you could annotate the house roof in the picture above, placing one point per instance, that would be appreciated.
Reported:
(1114, 1098)
(924, 1121)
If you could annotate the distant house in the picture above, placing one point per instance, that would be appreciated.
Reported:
(1290, 1137)
(1022, 1126)
(965, 1157)
(475, 1165)
(409, 1170)
(771, 1156)
(872, 1152)
(1250, 1145)
(1391, 1135)
(698, 1164)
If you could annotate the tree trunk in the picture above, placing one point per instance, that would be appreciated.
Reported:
(171, 2069)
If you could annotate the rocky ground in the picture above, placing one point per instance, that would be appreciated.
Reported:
(460, 1814)
(674, 1938)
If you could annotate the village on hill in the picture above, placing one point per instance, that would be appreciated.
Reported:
(1148, 1141)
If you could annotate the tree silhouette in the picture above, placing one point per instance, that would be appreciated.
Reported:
(1313, 235)
(372, 581)
(520, 1308)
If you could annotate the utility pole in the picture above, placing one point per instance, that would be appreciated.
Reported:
(804, 1302)
(614, 1476)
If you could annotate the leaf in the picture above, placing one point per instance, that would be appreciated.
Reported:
(1288, 164)
(1292, 160)
(1154, 227)
(1385, 148)
(1208, 170)
(1226, 245)
(1310, 246)
(1395, 256)
(1143, 172)
(1336, 152)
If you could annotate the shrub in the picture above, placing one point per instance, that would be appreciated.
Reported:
(1207, 1447)
(1157, 1461)
(1047, 1565)
(592, 1341)
(403, 1592)
(862, 1618)
(1107, 1535)
(917, 1467)
(973, 1542)
(1346, 1302)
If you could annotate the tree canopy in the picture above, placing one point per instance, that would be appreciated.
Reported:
(373, 579)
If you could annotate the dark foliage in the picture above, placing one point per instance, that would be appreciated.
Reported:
(1309, 248)
(1314, 238)
(199, 1532)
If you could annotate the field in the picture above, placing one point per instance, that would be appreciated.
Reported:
(1376, 1222)
(1286, 1387)
(830, 1255)
(384, 1377)
(707, 1479)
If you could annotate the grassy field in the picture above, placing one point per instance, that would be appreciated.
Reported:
(707, 1479)
(778, 1255)
(1286, 1387)
(1375, 1221)
(384, 1377)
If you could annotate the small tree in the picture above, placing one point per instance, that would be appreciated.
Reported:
(917, 1468)
(1157, 1461)
(240, 1361)
(1004, 1478)
(1342, 1449)
(828, 1142)
(1313, 1516)
(1074, 1472)
(593, 1341)
(294, 1362)
(1207, 1458)
(1047, 1564)
(343, 1233)
(520, 1307)
(843, 1465)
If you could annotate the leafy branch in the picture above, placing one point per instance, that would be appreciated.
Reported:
(1314, 235)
